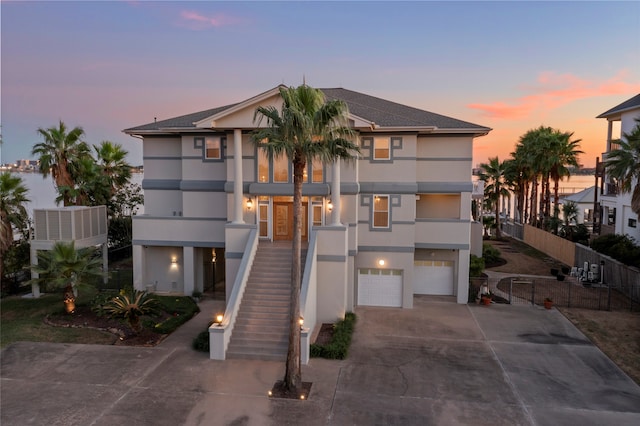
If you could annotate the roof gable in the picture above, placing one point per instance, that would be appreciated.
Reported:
(365, 112)
(627, 105)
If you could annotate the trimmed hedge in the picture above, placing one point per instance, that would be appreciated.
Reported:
(340, 342)
(183, 309)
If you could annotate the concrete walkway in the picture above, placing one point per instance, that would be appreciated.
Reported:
(437, 364)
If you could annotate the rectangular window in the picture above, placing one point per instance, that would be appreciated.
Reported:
(213, 148)
(633, 223)
(281, 169)
(317, 172)
(263, 166)
(381, 211)
(263, 218)
(381, 148)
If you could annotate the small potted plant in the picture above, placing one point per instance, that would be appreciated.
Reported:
(485, 298)
(196, 295)
(548, 303)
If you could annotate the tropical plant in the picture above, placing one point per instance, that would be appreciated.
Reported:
(58, 155)
(623, 164)
(132, 307)
(306, 128)
(13, 196)
(65, 267)
(542, 155)
(495, 189)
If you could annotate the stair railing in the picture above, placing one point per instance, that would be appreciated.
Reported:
(308, 298)
(220, 334)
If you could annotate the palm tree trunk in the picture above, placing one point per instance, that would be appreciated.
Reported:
(293, 375)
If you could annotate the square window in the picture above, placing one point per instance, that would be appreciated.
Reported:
(212, 148)
(633, 223)
(381, 148)
(381, 211)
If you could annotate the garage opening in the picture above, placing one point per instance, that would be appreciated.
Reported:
(433, 277)
(380, 287)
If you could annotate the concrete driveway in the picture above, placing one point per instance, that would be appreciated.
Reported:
(437, 364)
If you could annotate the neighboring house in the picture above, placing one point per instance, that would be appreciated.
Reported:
(584, 202)
(394, 223)
(617, 216)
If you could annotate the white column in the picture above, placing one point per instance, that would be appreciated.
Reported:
(335, 193)
(105, 263)
(609, 134)
(35, 287)
(237, 178)
(188, 265)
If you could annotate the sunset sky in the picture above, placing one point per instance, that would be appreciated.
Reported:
(511, 66)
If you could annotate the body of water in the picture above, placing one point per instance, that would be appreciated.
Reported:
(42, 192)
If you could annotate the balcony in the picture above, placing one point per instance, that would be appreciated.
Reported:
(150, 230)
(442, 233)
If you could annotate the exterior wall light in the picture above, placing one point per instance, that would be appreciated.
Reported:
(329, 205)
(381, 262)
(301, 322)
(174, 261)
(249, 203)
(218, 320)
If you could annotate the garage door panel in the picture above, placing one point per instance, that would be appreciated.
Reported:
(433, 277)
(379, 288)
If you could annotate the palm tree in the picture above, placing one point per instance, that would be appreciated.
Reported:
(564, 152)
(305, 129)
(65, 267)
(58, 154)
(623, 164)
(111, 158)
(13, 196)
(493, 174)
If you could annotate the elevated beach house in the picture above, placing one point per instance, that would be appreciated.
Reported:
(617, 216)
(394, 223)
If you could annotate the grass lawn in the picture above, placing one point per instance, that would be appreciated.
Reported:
(22, 319)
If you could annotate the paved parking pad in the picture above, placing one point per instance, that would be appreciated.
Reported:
(437, 364)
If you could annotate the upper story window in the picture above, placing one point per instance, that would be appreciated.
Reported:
(381, 211)
(279, 170)
(381, 148)
(213, 148)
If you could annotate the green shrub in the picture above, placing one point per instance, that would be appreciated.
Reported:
(619, 247)
(181, 308)
(476, 266)
(340, 342)
(490, 254)
(201, 342)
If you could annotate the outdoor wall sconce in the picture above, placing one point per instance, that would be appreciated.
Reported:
(329, 205)
(213, 256)
(381, 262)
(249, 203)
(218, 320)
(301, 322)
(174, 260)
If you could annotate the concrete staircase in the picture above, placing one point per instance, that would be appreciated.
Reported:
(261, 330)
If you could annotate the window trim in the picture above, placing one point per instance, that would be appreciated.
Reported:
(374, 211)
(200, 142)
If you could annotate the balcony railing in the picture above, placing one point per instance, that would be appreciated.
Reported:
(442, 231)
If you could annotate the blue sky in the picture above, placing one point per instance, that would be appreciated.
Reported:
(511, 66)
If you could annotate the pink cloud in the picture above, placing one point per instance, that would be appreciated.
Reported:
(198, 21)
(555, 90)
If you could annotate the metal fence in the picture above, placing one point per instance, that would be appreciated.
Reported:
(569, 293)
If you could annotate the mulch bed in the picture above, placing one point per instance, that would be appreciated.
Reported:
(84, 317)
(325, 335)
(280, 391)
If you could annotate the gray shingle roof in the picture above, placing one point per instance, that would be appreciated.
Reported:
(626, 105)
(390, 114)
(379, 111)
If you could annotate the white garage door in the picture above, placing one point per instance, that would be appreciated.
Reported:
(380, 287)
(433, 277)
